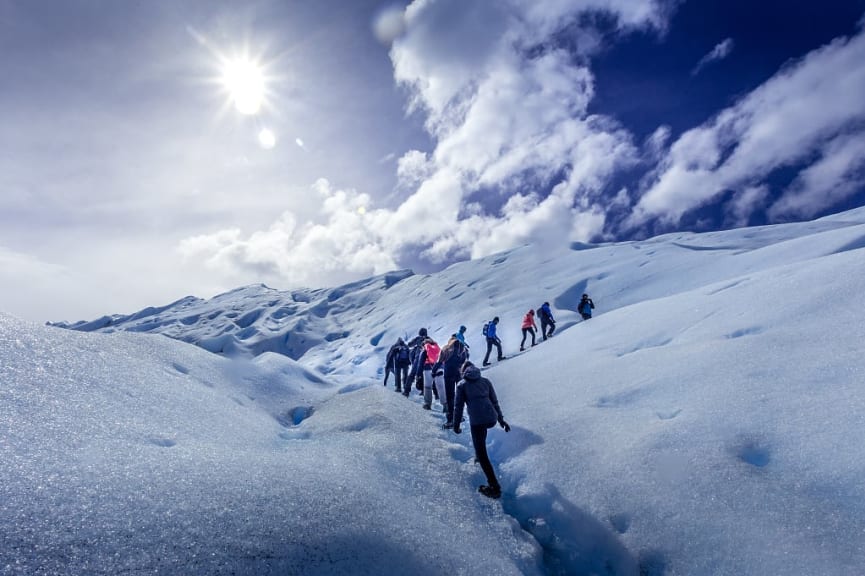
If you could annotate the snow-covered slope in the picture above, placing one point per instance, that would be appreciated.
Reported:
(126, 453)
(706, 421)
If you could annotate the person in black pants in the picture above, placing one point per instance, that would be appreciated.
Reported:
(398, 360)
(454, 355)
(477, 394)
(548, 323)
(493, 340)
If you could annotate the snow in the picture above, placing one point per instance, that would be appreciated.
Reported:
(707, 420)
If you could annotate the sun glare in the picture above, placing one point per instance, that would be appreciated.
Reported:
(244, 80)
(266, 138)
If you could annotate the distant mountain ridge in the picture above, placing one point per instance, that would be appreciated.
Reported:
(251, 319)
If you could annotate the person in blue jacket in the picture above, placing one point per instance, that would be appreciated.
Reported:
(547, 320)
(493, 340)
(585, 307)
(461, 336)
(478, 395)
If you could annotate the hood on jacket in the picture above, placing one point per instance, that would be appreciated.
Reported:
(471, 372)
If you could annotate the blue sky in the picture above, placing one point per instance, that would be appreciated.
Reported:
(400, 135)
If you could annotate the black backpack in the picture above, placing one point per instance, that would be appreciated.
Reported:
(403, 357)
(486, 329)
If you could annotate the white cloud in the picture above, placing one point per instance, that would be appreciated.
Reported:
(719, 52)
(803, 109)
(839, 173)
(343, 245)
(744, 204)
(509, 112)
(413, 168)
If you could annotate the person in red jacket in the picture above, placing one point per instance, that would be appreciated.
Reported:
(529, 327)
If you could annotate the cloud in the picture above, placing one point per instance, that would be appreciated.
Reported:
(837, 174)
(345, 244)
(413, 168)
(719, 52)
(739, 210)
(812, 108)
(508, 109)
(517, 157)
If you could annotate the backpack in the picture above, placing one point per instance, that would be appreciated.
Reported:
(403, 357)
(432, 352)
(486, 329)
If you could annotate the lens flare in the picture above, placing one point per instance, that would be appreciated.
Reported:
(266, 138)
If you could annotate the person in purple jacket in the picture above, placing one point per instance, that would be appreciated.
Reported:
(478, 395)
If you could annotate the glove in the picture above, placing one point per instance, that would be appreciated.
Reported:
(457, 429)
(504, 425)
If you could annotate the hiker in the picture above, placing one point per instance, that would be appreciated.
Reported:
(529, 327)
(415, 375)
(388, 365)
(461, 336)
(398, 360)
(492, 340)
(433, 374)
(547, 320)
(477, 394)
(585, 307)
(454, 355)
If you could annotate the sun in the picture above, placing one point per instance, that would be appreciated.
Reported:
(244, 79)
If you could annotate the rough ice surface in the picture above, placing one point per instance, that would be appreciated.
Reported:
(708, 420)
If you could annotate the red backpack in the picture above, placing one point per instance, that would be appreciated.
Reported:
(432, 352)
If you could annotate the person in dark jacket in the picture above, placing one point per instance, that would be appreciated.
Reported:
(454, 355)
(415, 374)
(493, 340)
(398, 360)
(585, 307)
(547, 320)
(477, 394)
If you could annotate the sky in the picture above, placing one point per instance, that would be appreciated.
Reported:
(208, 145)
(706, 420)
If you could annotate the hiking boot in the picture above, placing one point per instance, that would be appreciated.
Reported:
(523, 349)
(486, 364)
(448, 425)
(398, 389)
(427, 407)
(491, 491)
(500, 358)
